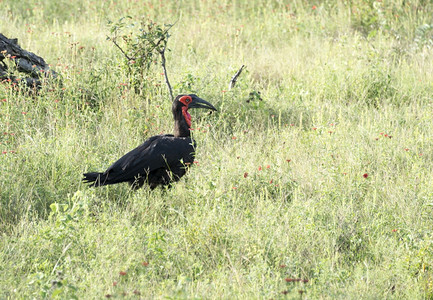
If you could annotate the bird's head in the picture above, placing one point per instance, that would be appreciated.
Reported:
(184, 102)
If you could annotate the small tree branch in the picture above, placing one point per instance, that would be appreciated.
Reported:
(164, 37)
(235, 78)
(148, 44)
(121, 50)
(162, 53)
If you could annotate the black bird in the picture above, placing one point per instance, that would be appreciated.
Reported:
(161, 159)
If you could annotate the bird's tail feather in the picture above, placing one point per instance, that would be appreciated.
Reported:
(94, 178)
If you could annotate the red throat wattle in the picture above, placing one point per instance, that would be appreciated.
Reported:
(186, 115)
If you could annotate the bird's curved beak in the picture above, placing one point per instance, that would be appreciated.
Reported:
(200, 103)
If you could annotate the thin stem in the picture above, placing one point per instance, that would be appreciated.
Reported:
(162, 53)
(121, 50)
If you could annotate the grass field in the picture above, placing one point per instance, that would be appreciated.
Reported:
(326, 178)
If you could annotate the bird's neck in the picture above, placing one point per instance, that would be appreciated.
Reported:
(181, 127)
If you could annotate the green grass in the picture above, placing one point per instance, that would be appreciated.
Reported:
(279, 189)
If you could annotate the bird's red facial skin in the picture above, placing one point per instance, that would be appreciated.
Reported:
(186, 100)
(186, 115)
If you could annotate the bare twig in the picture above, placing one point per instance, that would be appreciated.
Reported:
(162, 53)
(121, 50)
(235, 78)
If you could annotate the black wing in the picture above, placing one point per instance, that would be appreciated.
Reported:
(161, 151)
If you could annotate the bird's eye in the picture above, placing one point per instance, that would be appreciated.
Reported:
(186, 100)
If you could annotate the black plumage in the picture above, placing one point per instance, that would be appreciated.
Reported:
(161, 159)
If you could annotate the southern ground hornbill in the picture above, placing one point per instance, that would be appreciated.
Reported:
(161, 159)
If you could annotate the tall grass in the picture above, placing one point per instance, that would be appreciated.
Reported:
(326, 178)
